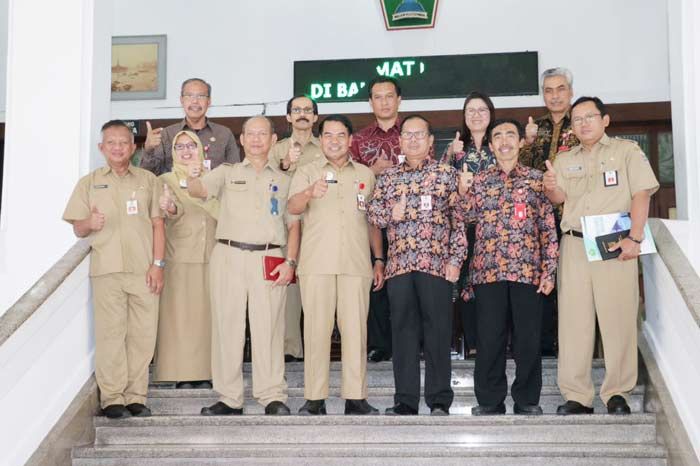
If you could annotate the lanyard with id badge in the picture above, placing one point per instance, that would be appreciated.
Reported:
(132, 205)
(426, 200)
(274, 201)
(361, 201)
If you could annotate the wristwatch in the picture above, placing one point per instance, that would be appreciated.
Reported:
(291, 262)
(638, 241)
(375, 259)
(159, 263)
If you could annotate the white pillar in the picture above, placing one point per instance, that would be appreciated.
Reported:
(58, 90)
(684, 58)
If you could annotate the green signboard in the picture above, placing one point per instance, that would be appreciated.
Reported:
(428, 77)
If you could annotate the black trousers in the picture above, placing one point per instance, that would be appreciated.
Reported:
(495, 303)
(379, 317)
(467, 309)
(420, 301)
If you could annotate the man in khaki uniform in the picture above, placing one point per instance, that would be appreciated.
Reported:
(253, 223)
(117, 208)
(334, 268)
(300, 148)
(601, 176)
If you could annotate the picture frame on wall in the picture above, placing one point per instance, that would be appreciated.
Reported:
(138, 67)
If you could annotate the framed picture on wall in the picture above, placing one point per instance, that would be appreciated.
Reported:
(138, 67)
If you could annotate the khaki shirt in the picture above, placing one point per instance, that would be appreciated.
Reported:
(189, 233)
(335, 238)
(310, 152)
(125, 243)
(246, 203)
(582, 176)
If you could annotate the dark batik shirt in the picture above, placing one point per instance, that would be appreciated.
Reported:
(426, 240)
(476, 159)
(371, 142)
(509, 247)
(534, 155)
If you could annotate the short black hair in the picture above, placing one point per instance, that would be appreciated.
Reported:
(596, 101)
(416, 116)
(313, 102)
(117, 124)
(503, 121)
(195, 80)
(383, 79)
(345, 121)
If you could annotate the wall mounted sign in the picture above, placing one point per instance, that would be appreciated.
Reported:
(138, 67)
(426, 77)
(409, 14)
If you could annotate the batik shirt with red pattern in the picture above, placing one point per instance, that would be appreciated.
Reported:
(516, 237)
(372, 143)
(427, 239)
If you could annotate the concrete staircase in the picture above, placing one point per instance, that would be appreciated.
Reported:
(178, 435)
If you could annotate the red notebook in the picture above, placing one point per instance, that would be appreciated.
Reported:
(269, 264)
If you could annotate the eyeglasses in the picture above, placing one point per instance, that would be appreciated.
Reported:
(306, 110)
(190, 146)
(411, 134)
(578, 121)
(483, 111)
(195, 96)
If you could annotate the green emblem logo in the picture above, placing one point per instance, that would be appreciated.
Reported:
(409, 14)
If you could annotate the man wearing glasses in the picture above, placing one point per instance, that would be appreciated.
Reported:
(600, 176)
(219, 143)
(545, 137)
(417, 202)
(300, 148)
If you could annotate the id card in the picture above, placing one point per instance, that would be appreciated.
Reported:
(207, 164)
(361, 205)
(426, 202)
(610, 178)
(132, 207)
(519, 211)
(183, 183)
(402, 158)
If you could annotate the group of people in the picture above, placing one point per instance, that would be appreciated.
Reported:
(381, 236)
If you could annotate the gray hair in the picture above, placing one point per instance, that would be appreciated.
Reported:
(559, 71)
(255, 117)
(195, 80)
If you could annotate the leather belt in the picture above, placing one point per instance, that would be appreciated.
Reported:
(248, 246)
(575, 233)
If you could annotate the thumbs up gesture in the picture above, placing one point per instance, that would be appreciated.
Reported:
(166, 200)
(153, 137)
(530, 130)
(194, 170)
(457, 145)
(399, 209)
(97, 219)
(319, 188)
(550, 177)
(465, 180)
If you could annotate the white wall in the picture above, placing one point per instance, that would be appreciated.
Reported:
(43, 365)
(616, 49)
(3, 55)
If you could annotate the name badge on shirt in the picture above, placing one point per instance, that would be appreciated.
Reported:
(426, 202)
(183, 184)
(402, 158)
(361, 205)
(207, 164)
(100, 186)
(519, 211)
(610, 178)
(330, 178)
(132, 207)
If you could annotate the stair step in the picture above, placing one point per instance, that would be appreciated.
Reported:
(382, 375)
(169, 401)
(385, 454)
(266, 430)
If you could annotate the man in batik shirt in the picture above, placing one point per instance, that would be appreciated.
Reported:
(515, 257)
(418, 203)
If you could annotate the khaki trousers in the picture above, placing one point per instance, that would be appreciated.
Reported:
(126, 319)
(321, 295)
(292, 332)
(236, 279)
(606, 289)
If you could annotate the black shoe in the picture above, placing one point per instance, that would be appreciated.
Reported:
(290, 358)
(184, 385)
(401, 409)
(313, 408)
(482, 410)
(220, 409)
(439, 410)
(618, 405)
(549, 353)
(277, 408)
(377, 355)
(573, 407)
(528, 410)
(138, 410)
(359, 407)
(116, 412)
(202, 384)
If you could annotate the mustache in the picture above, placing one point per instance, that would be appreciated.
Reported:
(303, 119)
